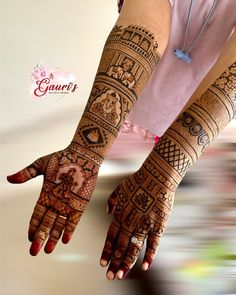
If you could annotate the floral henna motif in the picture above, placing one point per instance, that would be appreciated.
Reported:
(142, 202)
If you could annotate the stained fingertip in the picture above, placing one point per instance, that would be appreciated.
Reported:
(110, 275)
(16, 178)
(103, 262)
(49, 247)
(66, 237)
(35, 248)
(9, 177)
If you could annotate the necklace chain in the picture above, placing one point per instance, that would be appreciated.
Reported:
(184, 54)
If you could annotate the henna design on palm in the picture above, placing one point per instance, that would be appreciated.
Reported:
(129, 57)
(69, 180)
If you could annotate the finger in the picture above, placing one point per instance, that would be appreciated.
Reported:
(109, 242)
(151, 251)
(111, 202)
(29, 172)
(70, 226)
(42, 232)
(55, 234)
(118, 253)
(35, 221)
(131, 256)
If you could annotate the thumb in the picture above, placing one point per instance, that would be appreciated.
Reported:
(111, 202)
(31, 171)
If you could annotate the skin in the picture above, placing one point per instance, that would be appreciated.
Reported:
(141, 203)
(132, 50)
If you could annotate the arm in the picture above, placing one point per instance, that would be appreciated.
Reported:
(141, 204)
(131, 52)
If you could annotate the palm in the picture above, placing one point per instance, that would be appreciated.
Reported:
(69, 180)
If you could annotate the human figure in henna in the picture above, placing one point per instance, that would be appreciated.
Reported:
(70, 174)
(141, 203)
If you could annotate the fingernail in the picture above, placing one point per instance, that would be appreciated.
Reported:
(103, 262)
(105, 256)
(110, 275)
(66, 238)
(49, 247)
(35, 248)
(145, 266)
(124, 271)
(120, 274)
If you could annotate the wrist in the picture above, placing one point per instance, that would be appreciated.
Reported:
(86, 152)
(95, 135)
(162, 170)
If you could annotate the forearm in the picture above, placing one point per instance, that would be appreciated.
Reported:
(130, 54)
(196, 127)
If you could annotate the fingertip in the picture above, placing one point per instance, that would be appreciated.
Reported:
(120, 275)
(105, 257)
(103, 262)
(35, 248)
(49, 247)
(11, 178)
(16, 178)
(110, 275)
(122, 272)
(66, 238)
(145, 265)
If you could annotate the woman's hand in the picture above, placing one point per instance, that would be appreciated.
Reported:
(140, 205)
(69, 180)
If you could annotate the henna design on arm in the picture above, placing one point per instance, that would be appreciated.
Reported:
(69, 180)
(142, 203)
(193, 131)
(129, 57)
